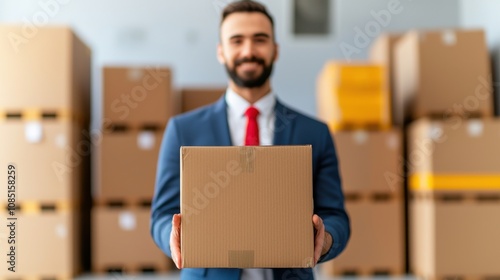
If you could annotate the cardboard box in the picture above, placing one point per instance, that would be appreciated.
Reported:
(127, 165)
(230, 194)
(382, 52)
(121, 240)
(50, 156)
(193, 98)
(138, 96)
(353, 95)
(454, 235)
(376, 246)
(49, 71)
(443, 73)
(47, 245)
(377, 155)
(462, 155)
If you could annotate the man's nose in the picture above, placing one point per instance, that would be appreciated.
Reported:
(248, 49)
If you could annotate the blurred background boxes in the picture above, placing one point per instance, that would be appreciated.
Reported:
(436, 71)
(353, 96)
(193, 98)
(138, 96)
(372, 181)
(455, 195)
(454, 234)
(127, 165)
(44, 114)
(377, 243)
(50, 154)
(382, 53)
(370, 161)
(122, 242)
(50, 73)
(138, 102)
(48, 243)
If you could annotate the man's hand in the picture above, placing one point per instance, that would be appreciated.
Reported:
(322, 241)
(175, 240)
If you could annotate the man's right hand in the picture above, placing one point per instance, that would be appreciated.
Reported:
(175, 240)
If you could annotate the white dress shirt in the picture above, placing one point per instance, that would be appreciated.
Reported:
(236, 108)
(237, 121)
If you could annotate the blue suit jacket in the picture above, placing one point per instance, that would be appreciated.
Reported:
(208, 126)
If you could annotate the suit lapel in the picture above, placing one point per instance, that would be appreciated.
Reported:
(220, 125)
(283, 125)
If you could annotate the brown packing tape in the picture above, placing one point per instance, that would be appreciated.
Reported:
(241, 259)
(247, 159)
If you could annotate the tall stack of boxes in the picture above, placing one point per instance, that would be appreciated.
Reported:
(44, 112)
(443, 79)
(355, 101)
(137, 105)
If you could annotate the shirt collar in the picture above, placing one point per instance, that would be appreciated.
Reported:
(238, 105)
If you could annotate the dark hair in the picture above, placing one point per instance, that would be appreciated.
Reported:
(246, 6)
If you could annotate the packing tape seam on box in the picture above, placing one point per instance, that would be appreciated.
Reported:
(247, 158)
(425, 181)
(34, 207)
(241, 258)
(33, 114)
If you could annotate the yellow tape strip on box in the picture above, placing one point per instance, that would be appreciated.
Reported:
(426, 181)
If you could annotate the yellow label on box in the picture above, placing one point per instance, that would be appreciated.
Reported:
(426, 181)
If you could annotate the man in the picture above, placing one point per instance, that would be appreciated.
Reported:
(249, 114)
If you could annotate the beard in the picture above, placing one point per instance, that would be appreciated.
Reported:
(250, 81)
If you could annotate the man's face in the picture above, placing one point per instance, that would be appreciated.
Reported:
(247, 48)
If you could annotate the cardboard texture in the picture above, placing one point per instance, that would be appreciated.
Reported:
(377, 243)
(50, 156)
(121, 240)
(127, 165)
(442, 73)
(375, 155)
(247, 207)
(193, 98)
(454, 238)
(138, 96)
(47, 246)
(382, 52)
(49, 72)
(454, 155)
(353, 95)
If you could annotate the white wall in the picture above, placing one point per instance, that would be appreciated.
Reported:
(485, 14)
(183, 34)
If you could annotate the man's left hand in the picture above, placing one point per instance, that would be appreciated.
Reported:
(322, 240)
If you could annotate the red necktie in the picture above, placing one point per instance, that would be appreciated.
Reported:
(252, 135)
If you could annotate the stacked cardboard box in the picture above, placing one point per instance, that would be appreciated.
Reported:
(382, 52)
(137, 105)
(44, 113)
(354, 100)
(193, 98)
(455, 195)
(442, 74)
(444, 83)
(370, 165)
(353, 96)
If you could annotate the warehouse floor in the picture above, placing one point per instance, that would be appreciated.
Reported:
(176, 276)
